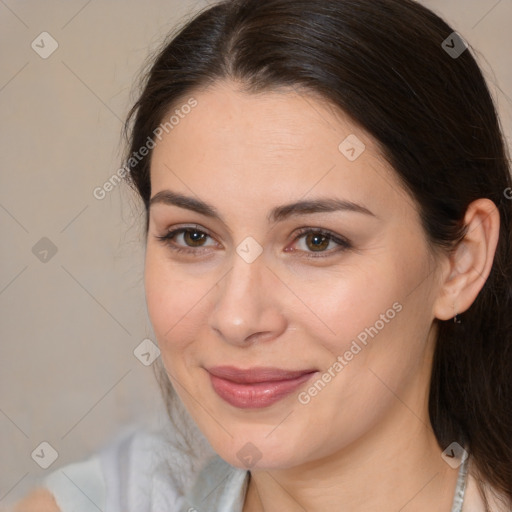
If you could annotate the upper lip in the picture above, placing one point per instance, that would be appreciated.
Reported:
(256, 374)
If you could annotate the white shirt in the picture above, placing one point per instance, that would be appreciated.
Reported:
(147, 470)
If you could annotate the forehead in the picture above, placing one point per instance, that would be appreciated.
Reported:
(281, 144)
(227, 120)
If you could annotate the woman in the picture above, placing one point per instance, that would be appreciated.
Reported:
(328, 269)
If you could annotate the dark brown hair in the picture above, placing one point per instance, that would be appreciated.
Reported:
(381, 62)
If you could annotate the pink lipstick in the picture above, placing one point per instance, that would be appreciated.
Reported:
(256, 387)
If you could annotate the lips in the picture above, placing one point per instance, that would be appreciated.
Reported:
(256, 387)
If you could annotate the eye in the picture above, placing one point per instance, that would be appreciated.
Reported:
(318, 240)
(315, 241)
(191, 236)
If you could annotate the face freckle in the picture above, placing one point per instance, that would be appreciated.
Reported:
(255, 294)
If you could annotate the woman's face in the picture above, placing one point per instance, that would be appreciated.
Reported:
(351, 315)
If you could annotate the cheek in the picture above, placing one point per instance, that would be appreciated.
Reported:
(340, 305)
(381, 330)
(173, 302)
(369, 316)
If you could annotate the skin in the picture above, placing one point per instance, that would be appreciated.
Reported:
(39, 500)
(368, 430)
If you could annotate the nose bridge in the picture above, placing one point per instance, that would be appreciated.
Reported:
(242, 287)
(248, 262)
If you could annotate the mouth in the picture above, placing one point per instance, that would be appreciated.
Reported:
(257, 387)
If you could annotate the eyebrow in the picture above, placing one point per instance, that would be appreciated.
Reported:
(277, 214)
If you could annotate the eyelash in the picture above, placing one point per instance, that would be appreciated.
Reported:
(342, 242)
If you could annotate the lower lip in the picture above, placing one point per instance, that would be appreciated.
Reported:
(256, 396)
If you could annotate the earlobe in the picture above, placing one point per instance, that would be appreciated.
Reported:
(471, 261)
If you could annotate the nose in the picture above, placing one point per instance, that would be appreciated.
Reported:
(247, 306)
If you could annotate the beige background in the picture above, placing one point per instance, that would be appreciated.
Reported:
(69, 326)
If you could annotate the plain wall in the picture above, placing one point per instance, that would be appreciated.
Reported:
(70, 324)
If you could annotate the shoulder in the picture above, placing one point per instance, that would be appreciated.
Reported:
(39, 500)
(77, 487)
(139, 468)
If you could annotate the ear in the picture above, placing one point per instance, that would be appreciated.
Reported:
(471, 261)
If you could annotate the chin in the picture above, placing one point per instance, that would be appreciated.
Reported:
(247, 451)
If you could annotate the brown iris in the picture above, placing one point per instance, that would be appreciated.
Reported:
(192, 238)
(320, 242)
